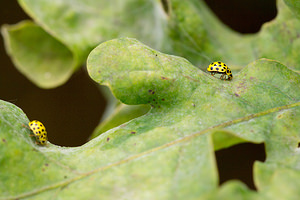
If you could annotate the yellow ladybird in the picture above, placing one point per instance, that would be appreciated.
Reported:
(39, 131)
(220, 68)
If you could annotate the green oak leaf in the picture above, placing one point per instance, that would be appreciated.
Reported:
(121, 114)
(75, 28)
(183, 28)
(196, 34)
(40, 57)
(168, 153)
(294, 6)
(117, 113)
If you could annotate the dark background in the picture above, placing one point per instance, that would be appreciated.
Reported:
(75, 108)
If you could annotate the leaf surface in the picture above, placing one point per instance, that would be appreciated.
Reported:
(183, 28)
(167, 153)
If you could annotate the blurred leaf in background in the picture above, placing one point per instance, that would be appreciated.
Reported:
(64, 32)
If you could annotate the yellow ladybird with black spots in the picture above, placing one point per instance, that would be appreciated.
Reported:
(39, 131)
(220, 68)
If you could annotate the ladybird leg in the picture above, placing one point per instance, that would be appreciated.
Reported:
(25, 126)
(31, 135)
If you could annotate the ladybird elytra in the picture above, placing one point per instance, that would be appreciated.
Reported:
(220, 68)
(39, 131)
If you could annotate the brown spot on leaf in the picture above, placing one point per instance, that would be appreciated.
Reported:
(107, 139)
(236, 94)
(133, 132)
(3, 140)
(279, 116)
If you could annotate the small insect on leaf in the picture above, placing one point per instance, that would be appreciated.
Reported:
(39, 131)
(220, 68)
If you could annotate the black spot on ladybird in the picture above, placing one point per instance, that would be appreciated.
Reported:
(211, 68)
(219, 62)
(217, 69)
